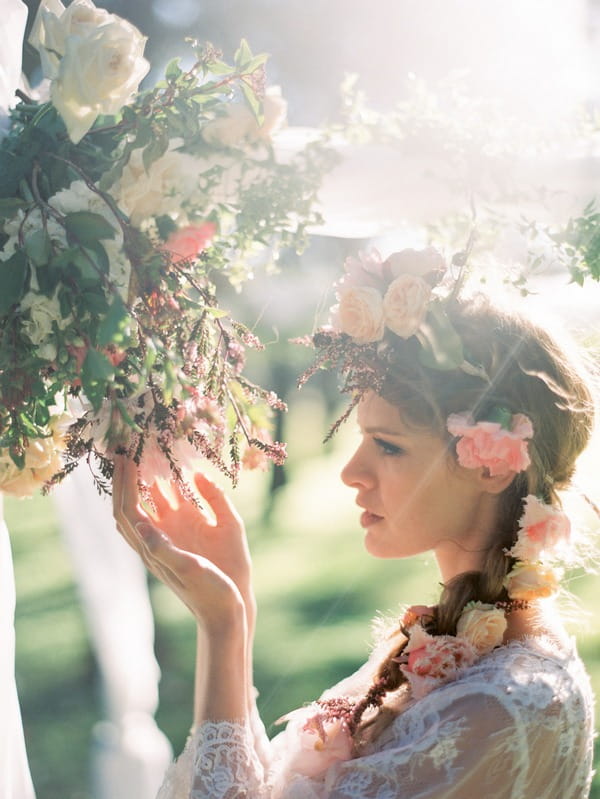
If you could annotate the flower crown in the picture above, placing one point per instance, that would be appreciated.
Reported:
(379, 302)
(404, 295)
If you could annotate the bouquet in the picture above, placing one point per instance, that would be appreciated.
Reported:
(121, 210)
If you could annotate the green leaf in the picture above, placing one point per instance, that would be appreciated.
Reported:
(501, 416)
(253, 101)
(10, 205)
(17, 458)
(114, 328)
(98, 254)
(88, 228)
(96, 373)
(39, 247)
(243, 55)
(94, 303)
(441, 346)
(157, 148)
(220, 68)
(216, 313)
(173, 70)
(13, 275)
(257, 62)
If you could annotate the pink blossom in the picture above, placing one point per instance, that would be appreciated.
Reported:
(434, 660)
(490, 445)
(188, 242)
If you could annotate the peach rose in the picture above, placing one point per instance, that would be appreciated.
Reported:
(360, 313)
(483, 625)
(530, 581)
(491, 445)
(189, 241)
(405, 304)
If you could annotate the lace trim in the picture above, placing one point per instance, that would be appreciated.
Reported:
(225, 764)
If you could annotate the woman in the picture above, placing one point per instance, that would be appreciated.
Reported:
(482, 695)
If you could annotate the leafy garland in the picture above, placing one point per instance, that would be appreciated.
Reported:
(112, 244)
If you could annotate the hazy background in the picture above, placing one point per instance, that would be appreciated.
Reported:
(317, 590)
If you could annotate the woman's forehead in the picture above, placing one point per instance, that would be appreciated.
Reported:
(374, 411)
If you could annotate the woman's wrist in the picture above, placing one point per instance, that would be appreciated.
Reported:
(225, 690)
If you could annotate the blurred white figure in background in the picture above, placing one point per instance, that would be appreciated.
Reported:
(130, 754)
(15, 779)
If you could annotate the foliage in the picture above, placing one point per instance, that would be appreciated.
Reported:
(113, 244)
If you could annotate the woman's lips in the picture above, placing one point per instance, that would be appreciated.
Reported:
(368, 519)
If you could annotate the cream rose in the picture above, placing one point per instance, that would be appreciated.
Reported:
(483, 625)
(360, 313)
(405, 304)
(530, 581)
(98, 73)
(42, 461)
(239, 123)
(169, 181)
(416, 262)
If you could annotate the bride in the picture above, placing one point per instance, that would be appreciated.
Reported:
(481, 695)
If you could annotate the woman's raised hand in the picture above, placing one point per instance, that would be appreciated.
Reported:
(206, 563)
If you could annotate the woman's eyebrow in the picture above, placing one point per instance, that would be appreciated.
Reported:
(385, 430)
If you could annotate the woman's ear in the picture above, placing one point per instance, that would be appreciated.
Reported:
(493, 484)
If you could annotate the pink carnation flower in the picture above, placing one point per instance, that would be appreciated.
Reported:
(188, 242)
(322, 742)
(490, 445)
(435, 659)
(542, 530)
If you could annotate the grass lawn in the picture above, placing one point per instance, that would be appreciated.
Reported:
(317, 592)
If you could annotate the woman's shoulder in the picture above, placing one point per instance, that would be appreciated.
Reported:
(526, 680)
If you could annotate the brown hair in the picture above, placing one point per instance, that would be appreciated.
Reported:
(528, 373)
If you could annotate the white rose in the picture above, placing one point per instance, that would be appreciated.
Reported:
(98, 73)
(170, 180)
(483, 625)
(79, 197)
(405, 304)
(54, 24)
(360, 313)
(42, 312)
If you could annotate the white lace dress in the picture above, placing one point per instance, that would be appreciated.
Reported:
(516, 725)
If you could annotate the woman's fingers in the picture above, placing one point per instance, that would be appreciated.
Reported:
(126, 508)
(223, 508)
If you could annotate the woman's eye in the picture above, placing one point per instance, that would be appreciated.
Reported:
(387, 448)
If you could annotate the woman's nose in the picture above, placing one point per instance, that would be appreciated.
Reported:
(356, 472)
